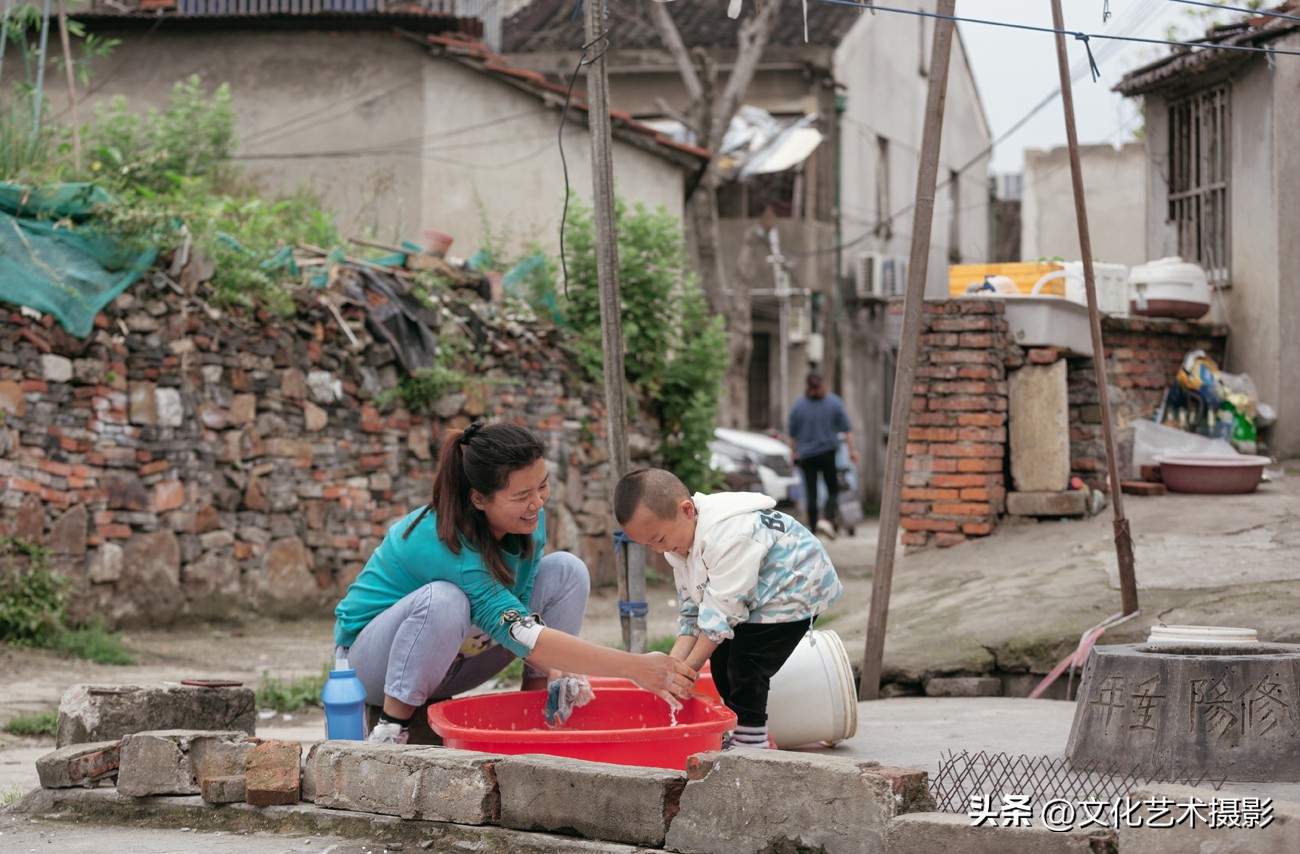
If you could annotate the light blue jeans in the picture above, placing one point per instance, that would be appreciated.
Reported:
(412, 651)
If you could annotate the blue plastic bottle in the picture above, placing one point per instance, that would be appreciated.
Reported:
(344, 698)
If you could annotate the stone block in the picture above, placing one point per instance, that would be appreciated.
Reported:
(595, 800)
(79, 764)
(1039, 427)
(426, 783)
(767, 800)
(104, 712)
(223, 790)
(273, 774)
(1156, 832)
(953, 833)
(170, 762)
(1217, 710)
(963, 686)
(1072, 503)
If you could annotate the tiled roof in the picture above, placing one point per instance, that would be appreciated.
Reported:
(550, 25)
(476, 56)
(1183, 64)
(298, 14)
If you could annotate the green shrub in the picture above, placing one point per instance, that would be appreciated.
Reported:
(34, 723)
(675, 354)
(91, 643)
(290, 695)
(11, 793)
(31, 596)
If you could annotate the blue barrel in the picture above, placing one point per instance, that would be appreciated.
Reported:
(344, 698)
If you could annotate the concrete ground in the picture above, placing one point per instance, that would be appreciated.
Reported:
(1008, 606)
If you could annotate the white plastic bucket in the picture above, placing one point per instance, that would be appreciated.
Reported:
(812, 698)
(1201, 634)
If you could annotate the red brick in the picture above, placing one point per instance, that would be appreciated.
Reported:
(964, 480)
(986, 464)
(977, 529)
(931, 464)
(22, 484)
(911, 524)
(916, 449)
(915, 538)
(115, 532)
(1138, 487)
(914, 508)
(981, 419)
(976, 340)
(1042, 356)
(272, 775)
(1151, 473)
(962, 509)
(979, 372)
(945, 539)
(967, 450)
(168, 495)
(33, 385)
(932, 434)
(915, 494)
(981, 434)
(968, 387)
(974, 306)
(964, 324)
(154, 467)
(969, 403)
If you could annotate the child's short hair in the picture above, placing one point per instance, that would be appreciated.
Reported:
(657, 490)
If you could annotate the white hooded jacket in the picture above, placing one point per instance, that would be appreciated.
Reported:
(749, 563)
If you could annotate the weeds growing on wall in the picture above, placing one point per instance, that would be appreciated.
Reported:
(675, 354)
(32, 609)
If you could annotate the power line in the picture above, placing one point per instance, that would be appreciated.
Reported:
(1079, 35)
(1242, 9)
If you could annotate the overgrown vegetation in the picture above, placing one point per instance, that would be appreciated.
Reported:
(34, 723)
(675, 354)
(290, 695)
(33, 609)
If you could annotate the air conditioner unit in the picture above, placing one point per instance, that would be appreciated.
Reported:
(800, 324)
(880, 276)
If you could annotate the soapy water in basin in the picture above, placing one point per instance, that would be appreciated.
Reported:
(626, 726)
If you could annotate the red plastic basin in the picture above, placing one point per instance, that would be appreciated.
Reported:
(625, 726)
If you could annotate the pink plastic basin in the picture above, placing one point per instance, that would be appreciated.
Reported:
(626, 726)
(1212, 474)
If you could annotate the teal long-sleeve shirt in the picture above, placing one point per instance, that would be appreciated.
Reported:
(400, 566)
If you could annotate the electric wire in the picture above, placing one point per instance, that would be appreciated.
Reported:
(559, 141)
(1242, 9)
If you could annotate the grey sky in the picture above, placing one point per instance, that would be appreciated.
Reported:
(1015, 69)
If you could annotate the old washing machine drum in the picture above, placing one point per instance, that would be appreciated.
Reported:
(1169, 287)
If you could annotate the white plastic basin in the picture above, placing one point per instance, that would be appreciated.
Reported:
(1046, 321)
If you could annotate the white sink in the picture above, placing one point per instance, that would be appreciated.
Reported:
(1046, 321)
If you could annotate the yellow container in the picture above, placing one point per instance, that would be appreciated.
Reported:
(1025, 274)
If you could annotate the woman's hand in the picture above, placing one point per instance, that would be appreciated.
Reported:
(663, 675)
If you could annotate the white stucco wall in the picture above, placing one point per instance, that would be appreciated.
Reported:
(1262, 304)
(879, 63)
(1114, 182)
(512, 166)
(392, 139)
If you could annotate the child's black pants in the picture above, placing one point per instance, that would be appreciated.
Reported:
(743, 666)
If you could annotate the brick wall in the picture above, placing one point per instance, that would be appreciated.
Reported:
(183, 461)
(954, 482)
(1142, 358)
(955, 476)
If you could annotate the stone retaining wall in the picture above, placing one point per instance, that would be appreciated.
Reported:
(188, 462)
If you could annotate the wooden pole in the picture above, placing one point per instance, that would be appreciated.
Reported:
(630, 558)
(72, 87)
(913, 305)
(1123, 539)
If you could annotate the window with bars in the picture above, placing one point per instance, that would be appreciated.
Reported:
(1199, 180)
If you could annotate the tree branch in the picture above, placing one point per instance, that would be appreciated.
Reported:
(672, 40)
(753, 37)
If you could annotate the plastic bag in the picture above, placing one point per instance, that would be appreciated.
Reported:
(1151, 440)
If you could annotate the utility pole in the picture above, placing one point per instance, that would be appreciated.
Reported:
(1123, 538)
(901, 408)
(781, 280)
(630, 559)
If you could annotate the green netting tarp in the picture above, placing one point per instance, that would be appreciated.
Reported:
(55, 257)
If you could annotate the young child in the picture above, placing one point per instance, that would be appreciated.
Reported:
(750, 582)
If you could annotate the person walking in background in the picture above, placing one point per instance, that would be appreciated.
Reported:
(816, 420)
(440, 606)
